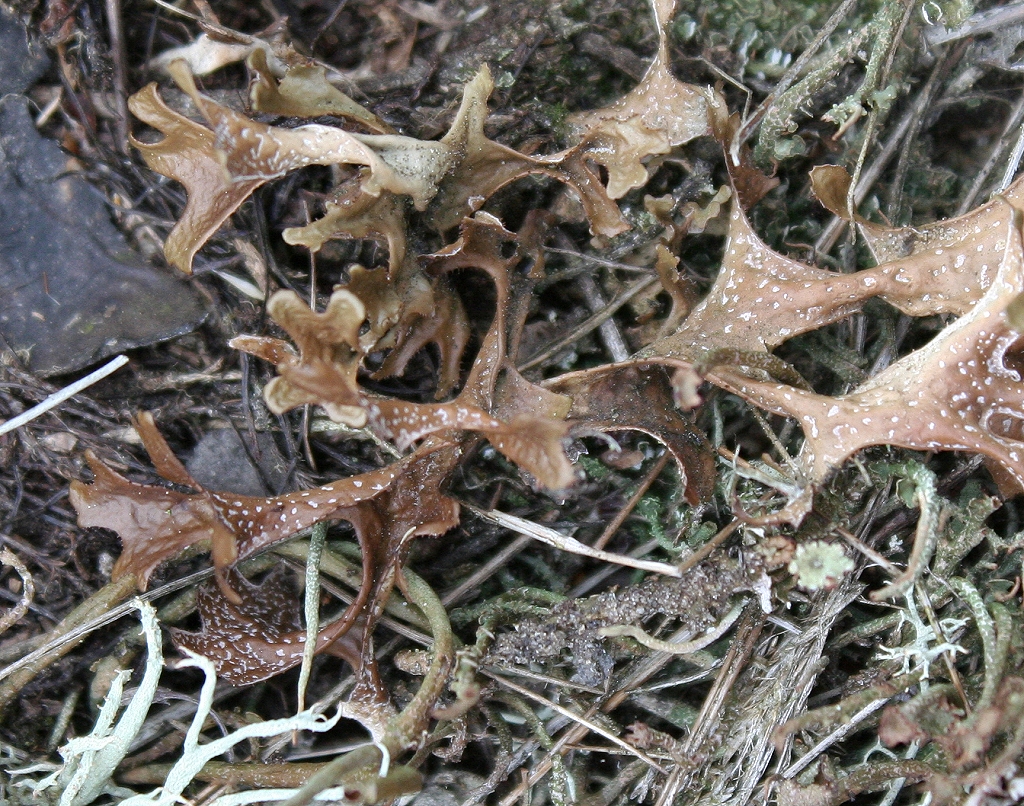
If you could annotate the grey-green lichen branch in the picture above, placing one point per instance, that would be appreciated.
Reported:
(366, 773)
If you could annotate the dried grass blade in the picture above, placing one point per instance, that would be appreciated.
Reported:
(60, 396)
(589, 725)
(570, 544)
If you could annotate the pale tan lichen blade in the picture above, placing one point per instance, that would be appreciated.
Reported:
(432, 313)
(252, 150)
(952, 263)
(531, 439)
(357, 214)
(188, 154)
(480, 246)
(963, 391)
(259, 635)
(384, 305)
(206, 55)
(415, 167)
(221, 168)
(166, 463)
(943, 267)
(522, 421)
(532, 442)
(663, 11)
(156, 523)
(535, 444)
(481, 167)
(679, 290)
(284, 393)
(657, 115)
(276, 351)
(406, 309)
(537, 425)
(305, 92)
(316, 333)
(405, 423)
(329, 356)
(761, 299)
(515, 394)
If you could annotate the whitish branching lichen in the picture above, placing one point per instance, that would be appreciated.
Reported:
(90, 761)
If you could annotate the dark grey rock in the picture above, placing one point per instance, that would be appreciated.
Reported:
(22, 63)
(72, 291)
(221, 462)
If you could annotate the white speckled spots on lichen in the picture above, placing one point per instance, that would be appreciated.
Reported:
(941, 397)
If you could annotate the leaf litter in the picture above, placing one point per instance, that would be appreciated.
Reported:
(788, 648)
